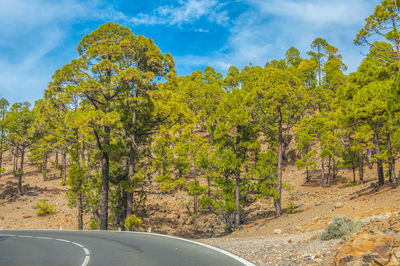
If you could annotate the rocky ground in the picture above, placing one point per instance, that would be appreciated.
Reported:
(296, 249)
(308, 248)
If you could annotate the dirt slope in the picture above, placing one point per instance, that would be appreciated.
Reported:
(166, 213)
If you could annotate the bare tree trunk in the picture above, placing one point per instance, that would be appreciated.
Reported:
(334, 168)
(391, 161)
(64, 168)
(80, 211)
(323, 177)
(21, 171)
(329, 165)
(278, 200)
(381, 177)
(369, 157)
(361, 168)
(131, 172)
(237, 200)
(105, 173)
(44, 167)
(124, 202)
(15, 159)
(1, 153)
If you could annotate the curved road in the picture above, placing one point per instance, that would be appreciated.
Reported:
(108, 248)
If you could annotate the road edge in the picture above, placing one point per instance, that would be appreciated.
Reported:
(220, 250)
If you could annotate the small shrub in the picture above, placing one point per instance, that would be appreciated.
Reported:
(94, 224)
(340, 227)
(353, 184)
(291, 207)
(43, 208)
(17, 173)
(133, 222)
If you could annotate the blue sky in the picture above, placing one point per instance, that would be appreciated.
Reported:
(39, 36)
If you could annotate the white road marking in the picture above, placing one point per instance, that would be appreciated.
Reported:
(79, 245)
(227, 253)
(6, 235)
(63, 240)
(85, 250)
(86, 261)
(42, 237)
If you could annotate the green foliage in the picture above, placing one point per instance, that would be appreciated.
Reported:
(291, 207)
(353, 184)
(340, 227)
(133, 222)
(43, 208)
(125, 119)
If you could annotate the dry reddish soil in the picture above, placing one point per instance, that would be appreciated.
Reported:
(166, 213)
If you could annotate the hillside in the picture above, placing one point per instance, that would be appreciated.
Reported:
(263, 239)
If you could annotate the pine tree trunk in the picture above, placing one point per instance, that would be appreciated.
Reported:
(195, 203)
(44, 167)
(64, 169)
(329, 165)
(323, 177)
(308, 178)
(124, 202)
(56, 158)
(354, 173)
(21, 171)
(369, 156)
(1, 153)
(15, 159)
(334, 168)
(391, 161)
(131, 172)
(237, 200)
(80, 211)
(132, 160)
(105, 174)
(381, 177)
(278, 200)
(361, 168)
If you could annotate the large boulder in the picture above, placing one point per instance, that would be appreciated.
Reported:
(369, 249)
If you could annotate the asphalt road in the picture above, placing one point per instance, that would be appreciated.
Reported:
(108, 248)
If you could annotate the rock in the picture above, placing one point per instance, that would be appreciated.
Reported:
(396, 253)
(339, 205)
(299, 228)
(27, 216)
(318, 203)
(277, 231)
(318, 260)
(366, 249)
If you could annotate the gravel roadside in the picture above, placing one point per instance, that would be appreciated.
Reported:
(300, 249)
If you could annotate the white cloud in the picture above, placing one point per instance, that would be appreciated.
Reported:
(201, 30)
(30, 30)
(343, 12)
(270, 27)
(187, 12)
